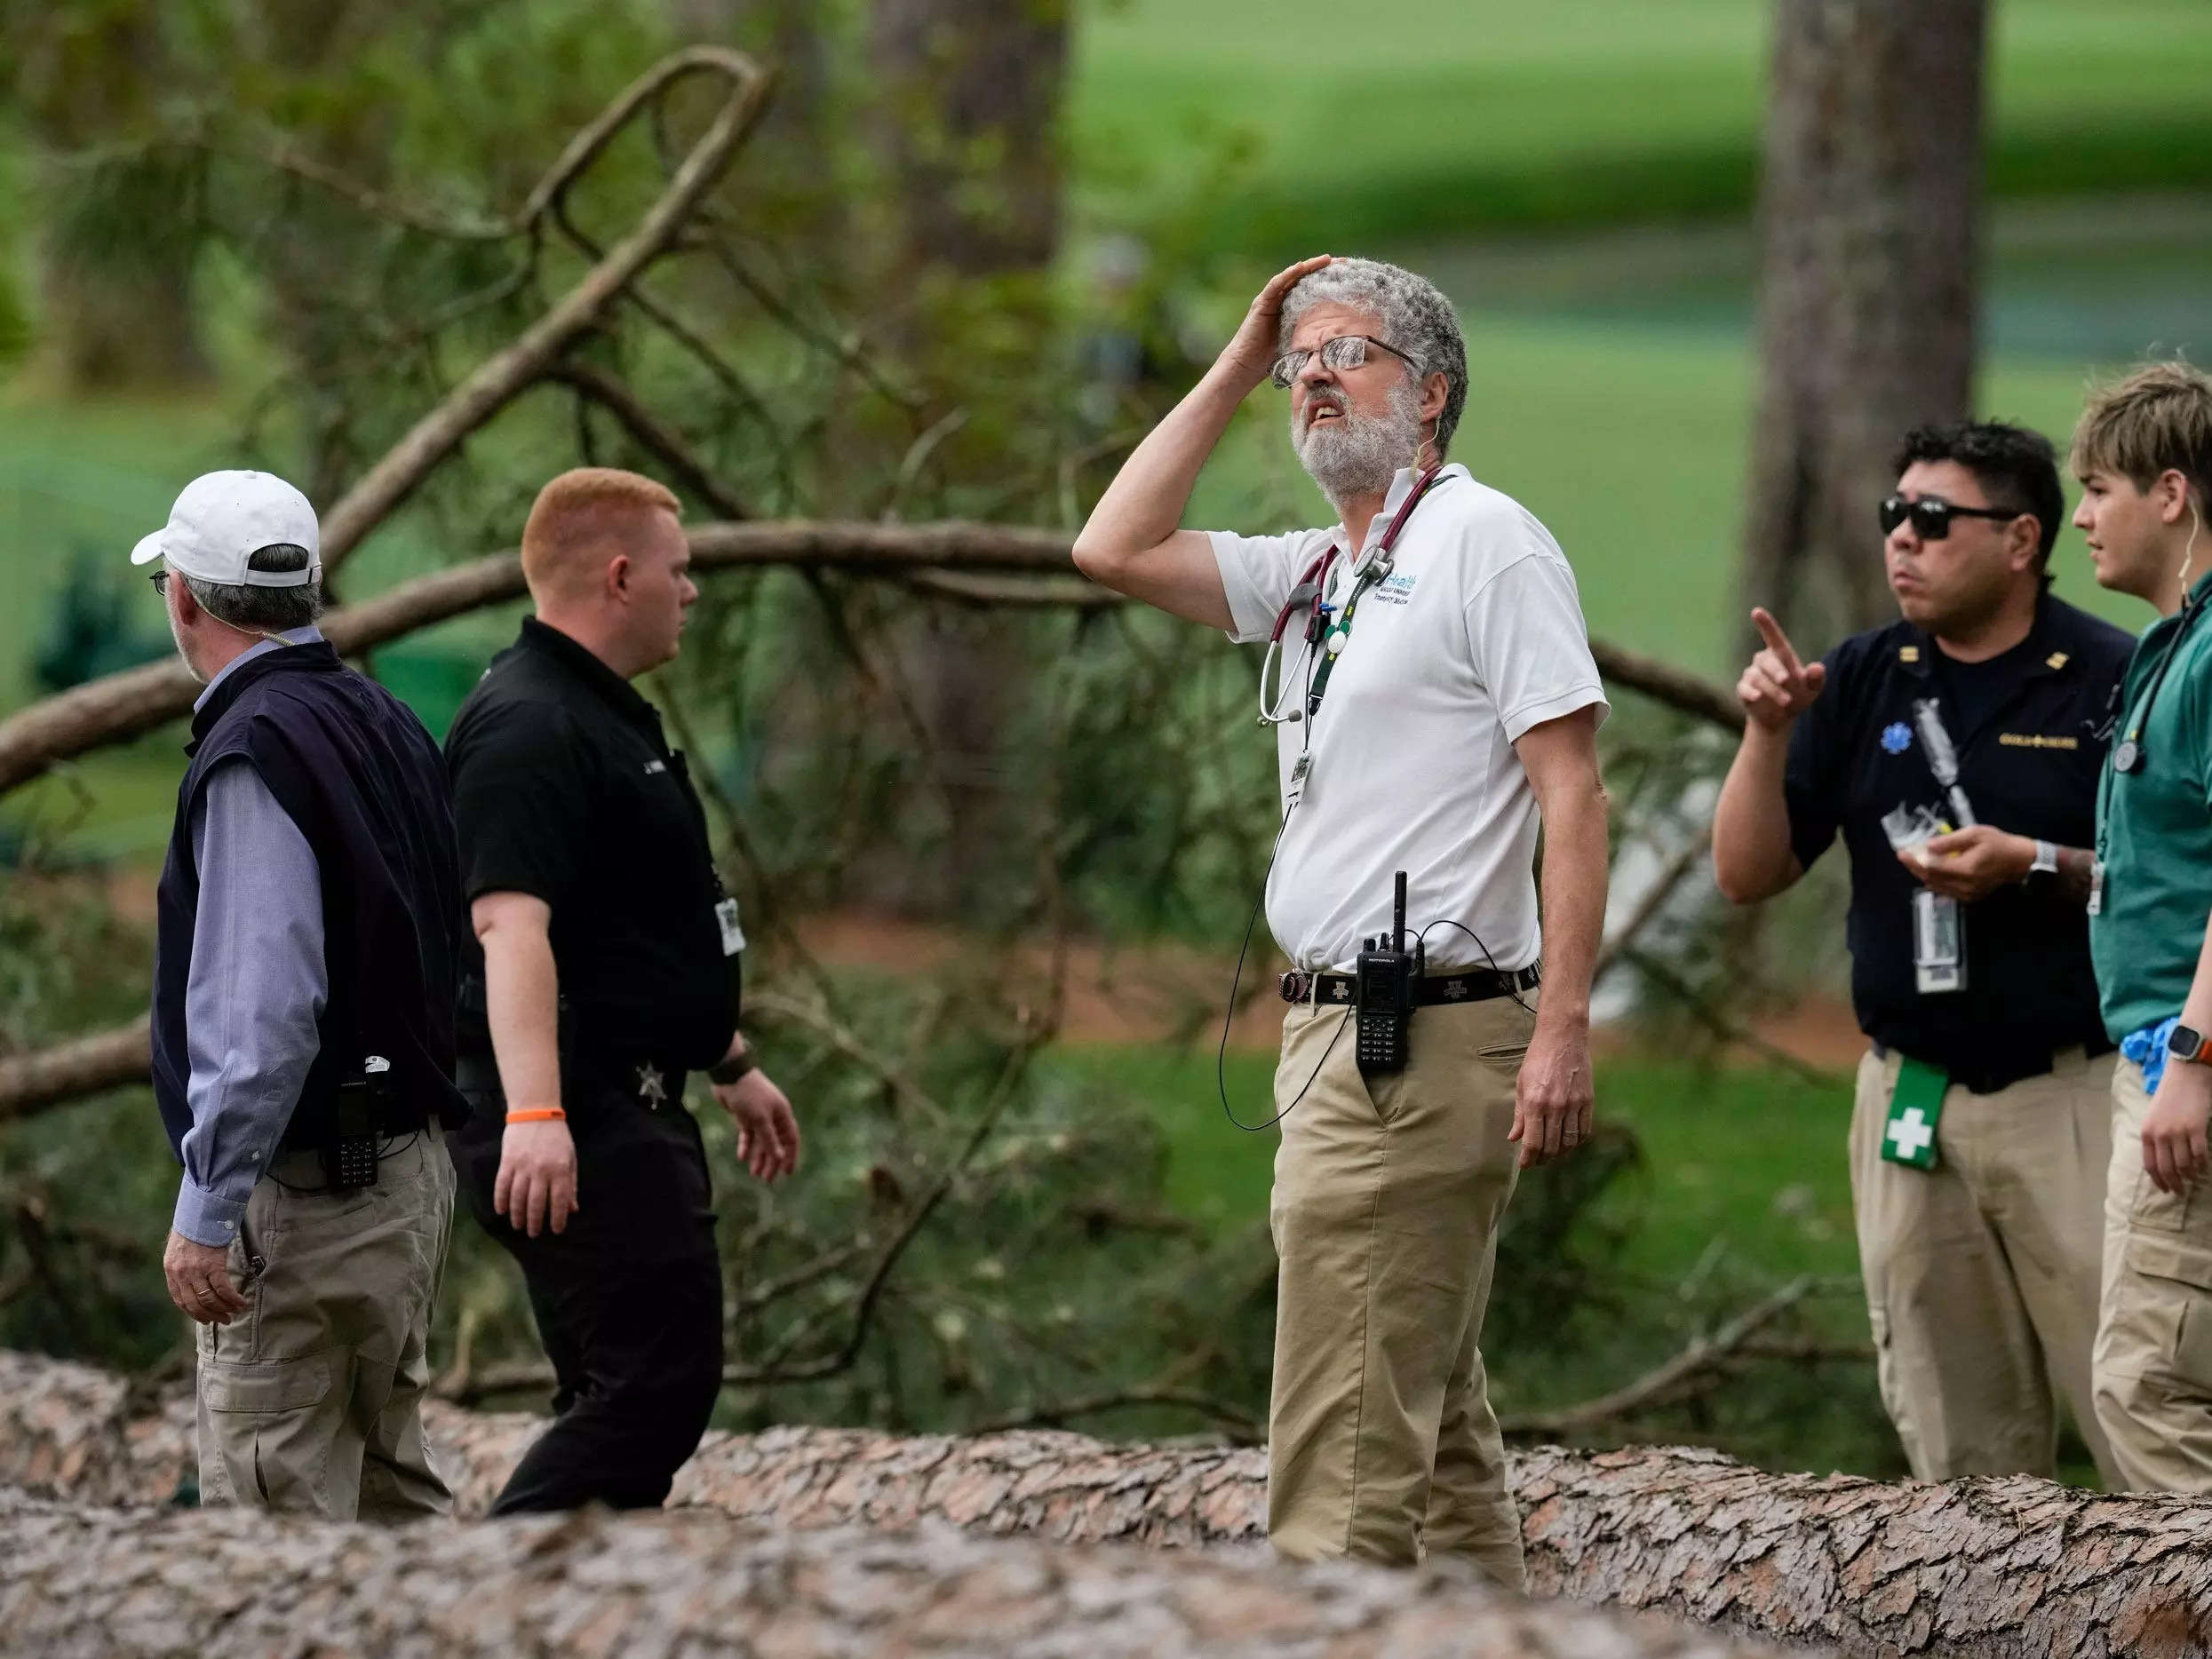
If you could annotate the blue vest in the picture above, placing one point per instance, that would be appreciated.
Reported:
(354, 769)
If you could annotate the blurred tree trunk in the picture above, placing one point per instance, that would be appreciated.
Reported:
(1869, 210)
(968, 142)
(970, 120)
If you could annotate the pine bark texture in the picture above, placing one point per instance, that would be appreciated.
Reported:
(152, 1583)
(2013, 1568)
(1869, 209)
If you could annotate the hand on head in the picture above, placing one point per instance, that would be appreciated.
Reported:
(1253, 351)
(1777, 688)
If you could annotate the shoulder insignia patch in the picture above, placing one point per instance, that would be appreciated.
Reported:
(2056, 659)
(1908, 654)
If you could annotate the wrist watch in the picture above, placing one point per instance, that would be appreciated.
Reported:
(2185, 1042)
(2046, 859)
(729, 1070)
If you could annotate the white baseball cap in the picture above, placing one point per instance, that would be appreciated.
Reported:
(223, 519)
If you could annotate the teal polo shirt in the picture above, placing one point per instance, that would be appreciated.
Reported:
(2154, 826)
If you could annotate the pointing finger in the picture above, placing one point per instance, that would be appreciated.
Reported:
(1776, 641)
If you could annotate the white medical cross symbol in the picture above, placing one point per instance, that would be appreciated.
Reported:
(1910, 1132)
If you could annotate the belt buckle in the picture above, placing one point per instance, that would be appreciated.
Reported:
(1296, 986)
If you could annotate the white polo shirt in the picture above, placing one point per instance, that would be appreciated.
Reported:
(1475, 636)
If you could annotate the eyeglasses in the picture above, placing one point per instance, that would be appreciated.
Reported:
(1346, 350)
(160, 579)
(1932, 515)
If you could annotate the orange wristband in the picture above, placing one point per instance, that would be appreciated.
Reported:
(536, 1114)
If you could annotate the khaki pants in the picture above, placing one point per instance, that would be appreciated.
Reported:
(1981, 1273)
(310, 1401)
(1381, 1440)
(2154, 1340)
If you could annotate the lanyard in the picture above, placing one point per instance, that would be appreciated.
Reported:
(2127, 754)
(1370, 573)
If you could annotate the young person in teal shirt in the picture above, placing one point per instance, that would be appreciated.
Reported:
(2144, 454)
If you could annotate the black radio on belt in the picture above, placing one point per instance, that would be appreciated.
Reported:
(350, 1159)
(1385, 973)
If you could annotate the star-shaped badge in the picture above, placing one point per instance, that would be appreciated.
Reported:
(651, 1089)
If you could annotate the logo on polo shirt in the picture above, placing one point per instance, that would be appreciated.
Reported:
(1395, 589)
(1896, 737)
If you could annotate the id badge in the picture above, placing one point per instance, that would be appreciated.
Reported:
(733, 935)
(1939, 943)
(1908, 1137)
(2096, 887)
(1301, 770)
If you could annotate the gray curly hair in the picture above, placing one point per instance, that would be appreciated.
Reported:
(1416, 318)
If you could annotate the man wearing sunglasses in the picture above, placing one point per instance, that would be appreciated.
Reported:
(1957, 752)
(1437, 699)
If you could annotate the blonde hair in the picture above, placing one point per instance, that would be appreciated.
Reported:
(565, 541)
(2159, 419)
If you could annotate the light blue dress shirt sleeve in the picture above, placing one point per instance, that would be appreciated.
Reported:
(257, 985)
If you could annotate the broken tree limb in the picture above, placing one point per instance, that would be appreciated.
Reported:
(122, 706)
(499, 378)
(1991, 1569)
(150, 1584)
(1665, 1382)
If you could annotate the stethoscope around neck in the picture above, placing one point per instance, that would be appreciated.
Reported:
(1309, 594)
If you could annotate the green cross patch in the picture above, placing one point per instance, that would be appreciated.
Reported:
(1915, 1109)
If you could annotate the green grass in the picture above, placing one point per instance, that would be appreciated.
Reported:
(1746, 1161)
(1457, 115)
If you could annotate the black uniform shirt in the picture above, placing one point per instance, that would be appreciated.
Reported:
(564, 787)
(2030, 728)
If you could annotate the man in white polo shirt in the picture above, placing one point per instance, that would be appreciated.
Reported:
(1434, 700)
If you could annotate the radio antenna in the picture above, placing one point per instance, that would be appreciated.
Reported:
(1397, 915)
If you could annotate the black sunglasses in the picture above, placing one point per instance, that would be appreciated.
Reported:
(1932, 515)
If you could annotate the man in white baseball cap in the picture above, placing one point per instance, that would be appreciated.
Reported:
(308, 921)
(252, 536)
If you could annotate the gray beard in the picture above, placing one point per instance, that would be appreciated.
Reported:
(1358, 455)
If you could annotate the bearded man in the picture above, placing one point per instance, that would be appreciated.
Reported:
(1440, 702)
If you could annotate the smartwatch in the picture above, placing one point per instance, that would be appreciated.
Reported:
(2185, 1043)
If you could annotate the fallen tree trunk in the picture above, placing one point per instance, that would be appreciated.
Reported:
(149, 1583)
(2014, 1569)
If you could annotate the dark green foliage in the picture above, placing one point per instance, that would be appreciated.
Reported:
(94, 627)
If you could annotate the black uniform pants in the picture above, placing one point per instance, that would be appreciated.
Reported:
(628, 1298)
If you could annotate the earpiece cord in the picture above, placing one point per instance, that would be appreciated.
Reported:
(1243, 950)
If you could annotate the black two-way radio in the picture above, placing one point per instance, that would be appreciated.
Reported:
(1386, 976)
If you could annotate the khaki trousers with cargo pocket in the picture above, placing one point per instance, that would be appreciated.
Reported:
(2154, 1339)
(1382, 1444)
(1982, 1274)
(310, 1401)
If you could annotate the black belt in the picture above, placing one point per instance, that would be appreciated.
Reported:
(1477, 985)
(1991, 1080)
(391, 1118)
